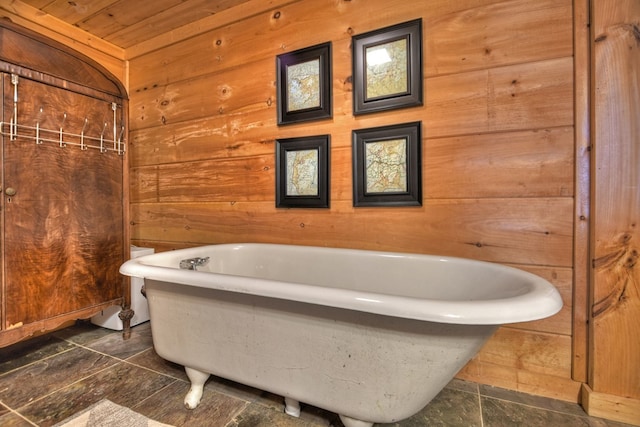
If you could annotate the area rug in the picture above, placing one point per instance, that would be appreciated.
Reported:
(108, 414)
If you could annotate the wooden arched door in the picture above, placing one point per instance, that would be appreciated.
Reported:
(64, 204)
(63, 239)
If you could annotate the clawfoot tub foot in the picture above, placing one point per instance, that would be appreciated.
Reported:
(352, 422)
(291, 407)
(197, 378)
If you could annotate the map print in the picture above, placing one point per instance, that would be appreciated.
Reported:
(386, 166)
(302, 173)
(303, 85)
(386, 71)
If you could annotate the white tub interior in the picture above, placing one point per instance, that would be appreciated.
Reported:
(423, 287)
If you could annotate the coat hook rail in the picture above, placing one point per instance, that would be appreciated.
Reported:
(59, 136)
(63, 138)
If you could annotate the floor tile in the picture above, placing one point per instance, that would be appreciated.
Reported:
(82, 333)
(531, 400)
(123, 384)
(264, 416)
(149, 359)
(13, 420)
(167, 406)
(25, 352)
(500, 413)
(450, 408)
(115, 345)
(462, 385)
(26, 384)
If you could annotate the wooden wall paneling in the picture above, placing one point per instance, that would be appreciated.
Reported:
(464, 40)
(205, 96)
(240, 178)
(537, 163)
(508, 98)
(615, 310)
(519, 164)
(302, 24)
(222, 19)
(218, 136)
(501, 230)
(274, 31)
(183, 13)
(530, 362)
(526, 96)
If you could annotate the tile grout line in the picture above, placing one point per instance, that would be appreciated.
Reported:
(539, 408)
(480, 406)
(20, 415)
(232, 422)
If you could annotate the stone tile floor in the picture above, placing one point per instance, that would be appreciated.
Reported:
(47, 379)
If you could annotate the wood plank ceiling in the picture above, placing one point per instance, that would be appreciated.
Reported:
(125, 23)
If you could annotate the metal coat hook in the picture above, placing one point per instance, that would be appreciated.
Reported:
(102, 149)
(64, 118)
(13, 124)
(38, 140)
(114, 108)
(13, 131)
(120, 146)
(84, 126)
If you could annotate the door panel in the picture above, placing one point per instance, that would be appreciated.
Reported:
(63, 231)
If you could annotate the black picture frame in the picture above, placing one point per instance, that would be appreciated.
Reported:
(387, 68)
(302, 172)
(304, 84)
(387, 165)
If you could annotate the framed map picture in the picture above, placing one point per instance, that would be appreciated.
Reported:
(387, 166)
(302, 172)
(387, 68)
(304, 84)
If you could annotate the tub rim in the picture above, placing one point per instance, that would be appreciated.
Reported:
(540, 300)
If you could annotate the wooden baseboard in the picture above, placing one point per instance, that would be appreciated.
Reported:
(616, 408)
(41, 327)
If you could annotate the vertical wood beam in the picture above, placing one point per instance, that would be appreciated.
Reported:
(582, 124)
(614, 382)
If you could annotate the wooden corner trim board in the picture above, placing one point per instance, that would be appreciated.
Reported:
(611, 407)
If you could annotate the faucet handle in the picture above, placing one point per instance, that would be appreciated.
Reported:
(193, 263)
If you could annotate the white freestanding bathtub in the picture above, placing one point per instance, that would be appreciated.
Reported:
(372, 336)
